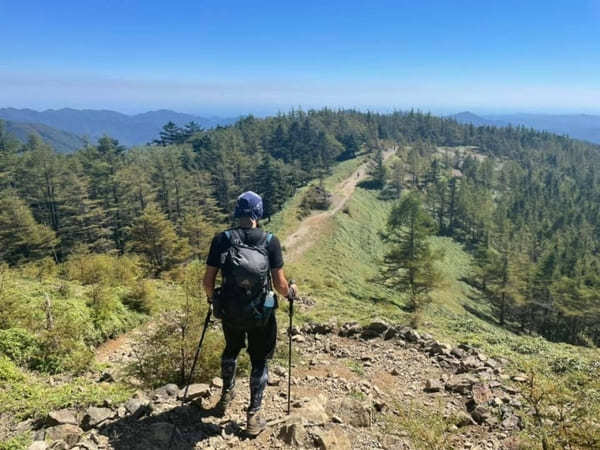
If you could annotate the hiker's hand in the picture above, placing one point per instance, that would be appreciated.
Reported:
(292, 289)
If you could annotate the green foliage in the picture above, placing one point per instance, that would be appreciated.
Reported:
(154, 237)
(315, 197)
(19, 345)
(106, 269)
(21, 237)
(409, 264)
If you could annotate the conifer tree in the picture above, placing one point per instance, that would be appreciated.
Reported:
(153, 236)
(21, 237)
(409, 265)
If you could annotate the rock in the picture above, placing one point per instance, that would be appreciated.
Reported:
(462, 419)
(519, 378)
(66, 432)
(217, 383)
(375, 329)
(168, 390)
(293, 432)
(358, 414)
(482, 393)
(350, 329)
(38, 445)
(391, 333)
(106, 377)
(313, 411)
(458, 352)
(24, 426)
(63, 416)
(298, 338)
(60, 445)
(433, 385)
(95, 416)
(481, 414)
(512, 422)
(412, 336)
(336, 419)
(334, 439)
(194, 391)
(438, 348)
(137, 407)
(471, 363)
(460, 384)
(274, 381)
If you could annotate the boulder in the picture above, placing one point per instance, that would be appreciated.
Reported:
(482, 394)
(357, 413)
(350, 329)
(95, 416)
(137, 407)
(438, 348)
(38, 445)
(67, 432)
(375, 329)
(433, 385)
(313, 411)
(293, 432)
(412, 336)
(511, 422)
(166, 391)
(332, 439)
(63, 416)
(481, 414)
(194, 391)
(460, 384)
(217, 383)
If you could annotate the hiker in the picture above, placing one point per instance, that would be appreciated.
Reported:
(245, 302)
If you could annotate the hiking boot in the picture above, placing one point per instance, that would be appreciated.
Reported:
(225, 400)
(255, 424)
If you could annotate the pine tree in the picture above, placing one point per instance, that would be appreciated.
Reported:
(377, 170)
(153, 236)
(21, 237)
(409, 265)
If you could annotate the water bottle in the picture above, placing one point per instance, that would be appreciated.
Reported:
(270, 300)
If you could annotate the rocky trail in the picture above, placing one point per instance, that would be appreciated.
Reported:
(352, 388)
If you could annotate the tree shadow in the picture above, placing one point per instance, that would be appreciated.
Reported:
(178, 428)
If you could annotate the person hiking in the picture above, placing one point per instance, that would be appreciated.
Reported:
(251, 262)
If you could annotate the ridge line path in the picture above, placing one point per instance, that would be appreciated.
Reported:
(295, 245)
(304, 237)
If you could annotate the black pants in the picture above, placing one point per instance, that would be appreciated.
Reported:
(261, 346)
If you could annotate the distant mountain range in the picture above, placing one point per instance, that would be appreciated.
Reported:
(61, 141)
(579, 126)
(130, 130)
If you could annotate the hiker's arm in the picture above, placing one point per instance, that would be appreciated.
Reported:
(210, 277)
(281, 284)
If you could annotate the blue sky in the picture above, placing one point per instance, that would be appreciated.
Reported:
(240, 57)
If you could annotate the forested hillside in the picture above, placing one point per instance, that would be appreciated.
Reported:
(526, 203)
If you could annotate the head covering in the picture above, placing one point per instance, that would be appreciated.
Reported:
(249, 204)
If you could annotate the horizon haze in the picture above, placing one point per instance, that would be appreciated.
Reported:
(240, 59)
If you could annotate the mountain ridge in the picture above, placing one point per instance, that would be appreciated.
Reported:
(129, 130)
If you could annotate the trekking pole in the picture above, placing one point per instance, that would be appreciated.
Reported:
(206, 322)
(291, 313)
(189, 380)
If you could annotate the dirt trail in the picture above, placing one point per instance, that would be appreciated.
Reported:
(305, 236)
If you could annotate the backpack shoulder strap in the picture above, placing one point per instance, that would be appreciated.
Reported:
(233, 237)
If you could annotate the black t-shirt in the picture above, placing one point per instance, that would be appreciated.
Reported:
(250, 236)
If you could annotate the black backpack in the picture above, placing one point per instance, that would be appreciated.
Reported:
(246, 281)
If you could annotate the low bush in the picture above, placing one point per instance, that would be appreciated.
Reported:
(140, 297)
(19, 345)
(315, 198)
(106, 269)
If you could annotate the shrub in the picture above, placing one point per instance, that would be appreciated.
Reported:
(140, 297)
(19, 345)
(315, 198)
(90, 268)
(9, 372)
